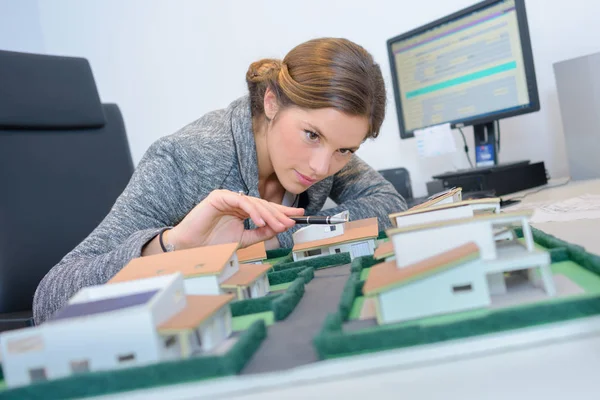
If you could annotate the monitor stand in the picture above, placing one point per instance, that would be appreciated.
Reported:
(486, 151)
(486, 146)
(486, 154)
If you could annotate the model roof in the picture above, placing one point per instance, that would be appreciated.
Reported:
(387, 275)
(197, 310)
(247, 274)
(384, 250)
(208, 260)
(459, 221)
(103, 306)
(353, 231)
(437, 199)
(461, 203)
(252, 253)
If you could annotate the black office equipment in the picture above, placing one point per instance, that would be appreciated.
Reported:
(497, 180)
(64, 159)
(473, 67)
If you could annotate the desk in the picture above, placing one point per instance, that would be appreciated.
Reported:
(556, 361)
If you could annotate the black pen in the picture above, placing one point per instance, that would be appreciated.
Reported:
(316, 219)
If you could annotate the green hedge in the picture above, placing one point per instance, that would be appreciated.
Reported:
(331, 260)
(252, 306)
(164, 373)
(348, 295)
(307, 275)
(276, 253)
(237, 357)
(382, 235)
(285, 276)
(575, 253)
(331, 343)
(359, 263)
(285, 304)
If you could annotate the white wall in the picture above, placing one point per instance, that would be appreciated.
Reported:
(167, 62)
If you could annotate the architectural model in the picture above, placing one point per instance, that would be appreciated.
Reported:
(358, 239)
(452, 265)
(414, 243)
(207, 270)
(439, 212)
(449, 282)
(117, 326)
(446, 197)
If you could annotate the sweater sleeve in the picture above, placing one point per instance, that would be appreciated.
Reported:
(362, 191)
(153, 199)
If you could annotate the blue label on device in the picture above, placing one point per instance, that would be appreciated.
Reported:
(484, 155)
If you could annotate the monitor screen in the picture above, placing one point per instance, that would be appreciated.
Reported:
(472, 67)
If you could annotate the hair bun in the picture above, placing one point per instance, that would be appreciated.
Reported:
(263, 69)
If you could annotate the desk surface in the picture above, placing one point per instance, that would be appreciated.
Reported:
(556, 361)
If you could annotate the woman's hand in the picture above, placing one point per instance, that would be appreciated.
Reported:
(219, 218)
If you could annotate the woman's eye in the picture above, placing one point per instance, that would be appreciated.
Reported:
(311, 136)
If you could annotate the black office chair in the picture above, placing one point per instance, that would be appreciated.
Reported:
(400, 179)
(64, 160)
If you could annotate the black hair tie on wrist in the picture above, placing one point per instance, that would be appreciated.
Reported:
(160, 240)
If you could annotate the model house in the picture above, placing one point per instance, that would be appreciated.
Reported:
(446, 197)
(312, 233)
(440, 212)
(385, 251)
(358, 239)
(254, 254)
(416, 242)
(116, 326)
(448, 282)
(207, 270)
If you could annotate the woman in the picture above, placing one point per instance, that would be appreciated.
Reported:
(238, 174)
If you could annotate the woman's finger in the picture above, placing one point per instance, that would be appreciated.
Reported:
(252, 236)
(281, 217)
(267, 214)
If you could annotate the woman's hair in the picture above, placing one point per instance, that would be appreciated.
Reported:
(322, 73)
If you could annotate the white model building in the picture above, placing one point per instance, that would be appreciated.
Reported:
(441, 212)
(358, 239)
(446, 197)
(116, 326)
(449, 282)
(207, 270)
(416, 242)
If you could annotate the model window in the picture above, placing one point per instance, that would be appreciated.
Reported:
(314, 252)
(462, 288)
(170, 341)
(247, 292)
(38, 374)
(198, 337)
(338, 250)
(126, 357)
(80, 366)
(332, 228)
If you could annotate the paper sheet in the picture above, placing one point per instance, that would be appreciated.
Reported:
(435, 140)
(586, 206)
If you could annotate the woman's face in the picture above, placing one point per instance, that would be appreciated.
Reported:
(306, 146)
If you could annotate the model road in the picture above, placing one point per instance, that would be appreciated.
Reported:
(289, 342)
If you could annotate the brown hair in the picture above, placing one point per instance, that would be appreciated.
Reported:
(322, 73)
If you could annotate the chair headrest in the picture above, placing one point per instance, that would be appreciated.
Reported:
(47, 92)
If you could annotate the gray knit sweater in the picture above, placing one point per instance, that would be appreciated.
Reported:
(216, 151)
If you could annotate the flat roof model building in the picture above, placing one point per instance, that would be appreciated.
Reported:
(115, 326)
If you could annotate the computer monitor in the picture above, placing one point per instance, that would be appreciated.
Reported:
(473, 67)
